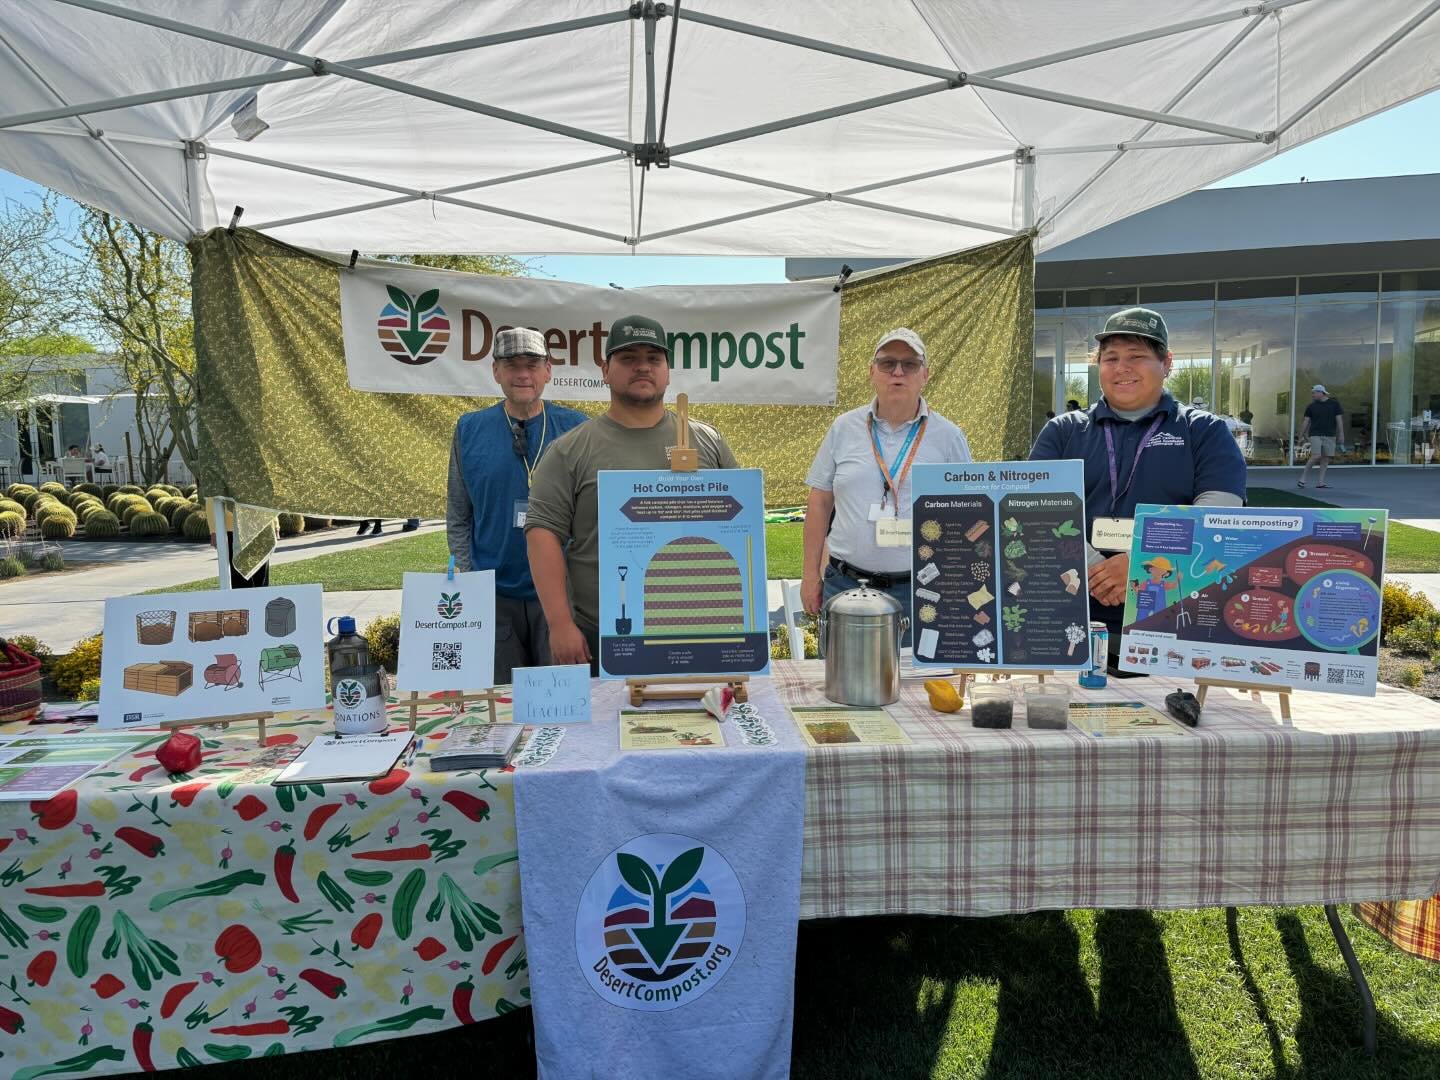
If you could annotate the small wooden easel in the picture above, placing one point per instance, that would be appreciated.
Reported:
(1256, 689)
(683, 456)
(456, 699)
(222, 722)
(684, 687)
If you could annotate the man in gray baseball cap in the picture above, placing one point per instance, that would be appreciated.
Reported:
(493, 457)
(636, 432)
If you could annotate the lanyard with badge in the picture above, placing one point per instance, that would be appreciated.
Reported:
(894, 531)
(522, 506)
(1115, 533)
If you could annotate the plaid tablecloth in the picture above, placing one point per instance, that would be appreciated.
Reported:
(157, 921)
(1340, 805)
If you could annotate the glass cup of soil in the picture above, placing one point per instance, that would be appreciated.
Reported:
(1047, 705)
(992, 705)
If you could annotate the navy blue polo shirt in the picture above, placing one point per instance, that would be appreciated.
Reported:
(1191, 452)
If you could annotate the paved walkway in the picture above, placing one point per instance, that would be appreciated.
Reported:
(1411, 494)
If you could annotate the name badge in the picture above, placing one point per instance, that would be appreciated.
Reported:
(892, 532)
(522, 507)
(1112, 534)
(876, 512)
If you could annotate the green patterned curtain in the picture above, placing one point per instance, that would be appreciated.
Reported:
(280, 427)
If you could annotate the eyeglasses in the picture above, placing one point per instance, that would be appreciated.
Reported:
(522, 449)
(905, 367)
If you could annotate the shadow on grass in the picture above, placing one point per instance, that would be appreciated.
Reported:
(1006, 998)
(1328, 1033)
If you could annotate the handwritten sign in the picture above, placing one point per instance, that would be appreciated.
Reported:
(552, 695)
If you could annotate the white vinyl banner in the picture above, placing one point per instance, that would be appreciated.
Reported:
(432, 332)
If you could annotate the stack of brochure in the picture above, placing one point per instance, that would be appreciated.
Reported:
(486, 747)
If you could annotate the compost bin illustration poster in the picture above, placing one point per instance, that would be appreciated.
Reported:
(999, 576)
(1281, 597)
(192, 655)
(682, 573)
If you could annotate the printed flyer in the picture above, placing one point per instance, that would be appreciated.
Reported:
(1123, 720)
(853, 727)
(1284, 597)
(999, 566)
(447, 631)
(682, 573)
(41, 766)
(668, 729)
(194, 655)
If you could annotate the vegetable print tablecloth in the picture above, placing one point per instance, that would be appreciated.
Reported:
(152, 922)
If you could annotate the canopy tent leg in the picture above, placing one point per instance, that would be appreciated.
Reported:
(1367, 999)
(222, 541)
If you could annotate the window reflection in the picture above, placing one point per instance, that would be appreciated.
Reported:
(1256, 346)
(1335, 347)
(1408, 432)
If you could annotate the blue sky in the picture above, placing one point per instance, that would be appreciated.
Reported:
(1400, 141)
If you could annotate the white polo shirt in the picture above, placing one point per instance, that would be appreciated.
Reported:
(845, 466)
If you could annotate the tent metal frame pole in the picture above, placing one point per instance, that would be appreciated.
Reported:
(846, 195)
(1199, 77)
(1025, 168)
(326, 174)
(99, 136)
(1095, 104)
(1128, 146)
(308, 71)
(496, 181)
(320, 66)
(812, 117)
(194, 154)
(1360, 65)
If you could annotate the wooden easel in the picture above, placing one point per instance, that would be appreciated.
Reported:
(683, 456)
(222, 722)
(1256, 689)
(457, 699)
(684, 687)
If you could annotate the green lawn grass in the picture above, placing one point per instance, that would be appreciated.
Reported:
(1108, 995)
(1408, 550)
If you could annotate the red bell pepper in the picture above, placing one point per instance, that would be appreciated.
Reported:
(41, 968)
(472, 806)
(366, 931)
(185, 794)
(58, 812)
(11, 1022)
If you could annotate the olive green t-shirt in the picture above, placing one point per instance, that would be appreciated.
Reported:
(563, 491)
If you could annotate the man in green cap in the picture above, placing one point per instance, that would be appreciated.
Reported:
(1139, 445)
(636, 432)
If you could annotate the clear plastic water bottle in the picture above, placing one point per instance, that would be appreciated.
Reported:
(347, 649)
(1094, 678)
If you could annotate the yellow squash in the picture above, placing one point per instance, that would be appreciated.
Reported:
(944, 697)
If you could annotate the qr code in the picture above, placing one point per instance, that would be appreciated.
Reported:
(1335, 676)
(445, 656)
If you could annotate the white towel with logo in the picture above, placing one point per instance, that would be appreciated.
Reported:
(661, 893)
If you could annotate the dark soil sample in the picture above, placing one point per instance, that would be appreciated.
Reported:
(991, 714)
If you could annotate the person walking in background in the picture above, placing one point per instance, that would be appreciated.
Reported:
(1324, 426)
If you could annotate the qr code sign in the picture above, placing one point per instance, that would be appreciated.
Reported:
(445, 656)
(1335, 676)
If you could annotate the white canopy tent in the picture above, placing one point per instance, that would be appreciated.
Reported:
(852, 127)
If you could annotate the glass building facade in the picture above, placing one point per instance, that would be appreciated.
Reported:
(1252, 348)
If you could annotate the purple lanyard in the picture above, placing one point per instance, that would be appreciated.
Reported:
(1116, 491)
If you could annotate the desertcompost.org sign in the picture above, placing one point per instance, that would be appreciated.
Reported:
(412, 331)
(659, 923)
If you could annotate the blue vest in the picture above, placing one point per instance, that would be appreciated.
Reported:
(496, 480)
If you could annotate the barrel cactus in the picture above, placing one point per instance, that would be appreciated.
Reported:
(11, 524)
(132, 489)
(196, 527)
(291, 524)
(102, 525)
(88, 488)
(58, 528)
(51, 487)
(149, 523)
(10, 506)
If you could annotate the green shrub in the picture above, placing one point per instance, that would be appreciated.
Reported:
(291, 524)
(102, 525)
(131, 489)
(90, 690)
(58, 528)
(1401, 605)
(313, 523)
(10, 506)
(11, 566)
(196, 527)
(149, 524)
(53, 559)
(11, 524)
(780, 641)
(80, 664)
(1411, 676)
(88, 488)
(34, 646)
(1418, 637)
(383, 635)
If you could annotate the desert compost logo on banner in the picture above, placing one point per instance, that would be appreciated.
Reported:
(410, 331)
(659, 923)
(413, 329)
